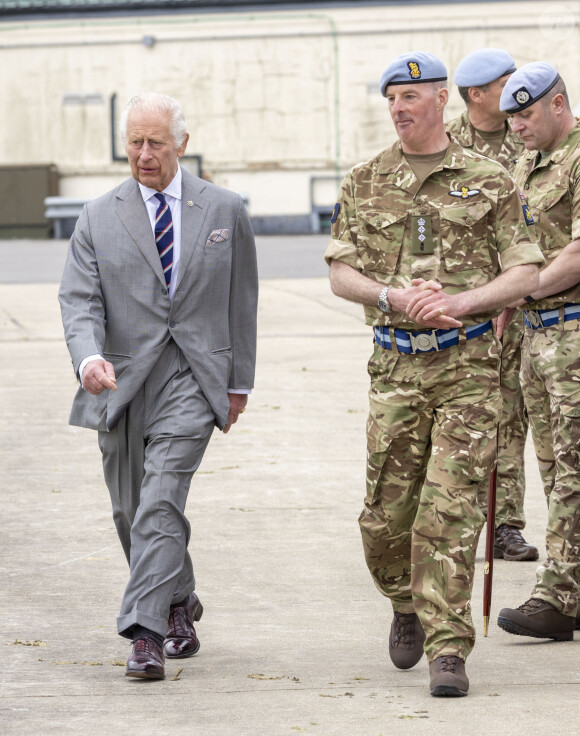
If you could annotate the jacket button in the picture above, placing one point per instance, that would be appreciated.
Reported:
(172, 323)
(468, 221)
(424, 210)
(164, 291)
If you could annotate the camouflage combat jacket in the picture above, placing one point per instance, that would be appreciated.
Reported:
(465, 134)
(552, 190)
(469, 204)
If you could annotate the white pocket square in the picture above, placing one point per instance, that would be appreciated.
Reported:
(217, 236)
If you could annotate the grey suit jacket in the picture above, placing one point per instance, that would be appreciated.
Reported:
(114, 300)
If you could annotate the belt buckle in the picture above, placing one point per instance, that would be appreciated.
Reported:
(535, 318)
(423, 342)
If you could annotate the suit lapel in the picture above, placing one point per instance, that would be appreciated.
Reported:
(194, 209)
(133, 214)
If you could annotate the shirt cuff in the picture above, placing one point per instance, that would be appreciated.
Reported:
(239, 390)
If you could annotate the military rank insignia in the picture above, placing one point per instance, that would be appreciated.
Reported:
(422, 237)
(414, 69)
(465, 193)
(335, 213)
(528, 217)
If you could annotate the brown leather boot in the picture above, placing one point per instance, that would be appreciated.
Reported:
(406, 640)
(510, 545)
(539, 619)
(448, 678)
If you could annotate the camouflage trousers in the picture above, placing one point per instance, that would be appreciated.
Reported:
(431, 444)
(513, 428)
(551, 384)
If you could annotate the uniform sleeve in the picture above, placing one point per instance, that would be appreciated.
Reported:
(575, 185)
(342, 247)
(514, 230)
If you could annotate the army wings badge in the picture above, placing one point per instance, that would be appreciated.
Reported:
(465, 193)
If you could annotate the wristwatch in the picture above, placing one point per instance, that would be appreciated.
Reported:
(383, 302)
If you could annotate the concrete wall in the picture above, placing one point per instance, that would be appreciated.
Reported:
(271, 98)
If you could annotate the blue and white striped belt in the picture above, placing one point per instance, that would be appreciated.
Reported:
(536, 318)
(426, 341)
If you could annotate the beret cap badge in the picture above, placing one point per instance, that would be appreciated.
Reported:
(414, 69)
(521, 96)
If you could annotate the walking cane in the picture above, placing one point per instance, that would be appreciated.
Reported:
(489, 540)
(490, 530)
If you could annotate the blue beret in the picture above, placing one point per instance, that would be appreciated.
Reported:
(482, 67)
(528, 85)
(416, 66)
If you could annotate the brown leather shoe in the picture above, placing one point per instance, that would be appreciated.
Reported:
(146, 660)
(510, 545)
(406, 640)
(181, 640)
(448, 678)
(539, 619)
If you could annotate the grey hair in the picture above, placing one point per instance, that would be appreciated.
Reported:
(156, 102)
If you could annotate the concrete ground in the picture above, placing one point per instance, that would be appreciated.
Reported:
(294, 634)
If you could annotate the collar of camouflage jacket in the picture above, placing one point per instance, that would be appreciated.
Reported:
(393, 159)
(566, 148)
(462, 130)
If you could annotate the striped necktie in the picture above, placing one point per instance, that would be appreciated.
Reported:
(164, 236)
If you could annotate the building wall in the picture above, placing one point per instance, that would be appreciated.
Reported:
(271, 98)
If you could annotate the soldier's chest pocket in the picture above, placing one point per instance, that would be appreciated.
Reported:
(552, 211)
(464, 237)
(379, 239)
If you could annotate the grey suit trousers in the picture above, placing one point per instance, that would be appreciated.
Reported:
(149, 459)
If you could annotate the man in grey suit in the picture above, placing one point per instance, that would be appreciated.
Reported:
(159, 301)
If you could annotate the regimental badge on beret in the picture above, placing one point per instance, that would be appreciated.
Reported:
(465, 193)
(521, 96)
(335, 212)
(414, 69)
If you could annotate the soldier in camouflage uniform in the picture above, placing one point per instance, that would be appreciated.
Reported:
(417, 236)
(549, 175)
(481, 77)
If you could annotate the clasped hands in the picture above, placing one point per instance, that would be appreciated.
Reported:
(430, 306)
